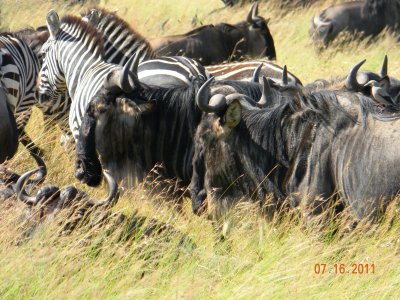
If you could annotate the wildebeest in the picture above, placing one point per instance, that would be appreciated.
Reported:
(250, 38)
(366, 17)
(308, 148)
(50, 199)
(77, 208)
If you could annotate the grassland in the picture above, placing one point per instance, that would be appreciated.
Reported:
(258, 258)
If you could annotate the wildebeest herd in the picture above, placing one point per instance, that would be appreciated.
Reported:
(222, 131)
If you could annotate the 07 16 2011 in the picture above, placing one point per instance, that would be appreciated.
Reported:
(341, 268)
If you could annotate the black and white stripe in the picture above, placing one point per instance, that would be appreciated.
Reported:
(18, 73)
(244, 71)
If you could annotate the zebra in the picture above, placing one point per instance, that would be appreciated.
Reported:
(74, 61)
(245, 71)
(19, 69)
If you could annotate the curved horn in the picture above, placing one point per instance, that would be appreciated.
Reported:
(254, 14)
(218, 102)
(129, 79)
(20, 189)
(384, 68)
(42, 168)
(256, 73)
(250, 14)
(318, 22)
(266, 96)
(113, 191)
(284, 76)
(351, 80)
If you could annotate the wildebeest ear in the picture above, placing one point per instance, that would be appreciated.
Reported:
(233, 114)
(384, 82)
(53, 23)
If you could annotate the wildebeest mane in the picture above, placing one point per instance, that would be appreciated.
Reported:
(317, 107)
(242, 87)
(86, 31)
(198, 29)
(174, 121)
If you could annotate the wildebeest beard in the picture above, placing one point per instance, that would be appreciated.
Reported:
(308, 149)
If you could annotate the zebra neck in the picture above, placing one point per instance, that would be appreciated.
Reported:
(79, 66)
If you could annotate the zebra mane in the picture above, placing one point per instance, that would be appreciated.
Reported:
(85, 31)
(108, 17)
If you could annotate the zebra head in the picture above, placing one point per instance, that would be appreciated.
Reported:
(51, 80)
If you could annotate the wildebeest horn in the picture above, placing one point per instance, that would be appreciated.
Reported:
(351, 81)
(129, 79)
(256, 73)
(42, 170)
(253, 13)
(20, 189)
(266, 96)
(384, 68)
(284, 76)
(113, 191)
(217, 102)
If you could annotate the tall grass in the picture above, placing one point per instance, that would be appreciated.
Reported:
(256, 259)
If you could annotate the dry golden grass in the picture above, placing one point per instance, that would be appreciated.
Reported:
(257, 258)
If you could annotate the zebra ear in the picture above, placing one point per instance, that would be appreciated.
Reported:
(129, 80)
(53, 23)
(93, 17)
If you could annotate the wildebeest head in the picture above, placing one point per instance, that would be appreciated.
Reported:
(215, 144)
(258, 41)
(357, 81)
(120, 96)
